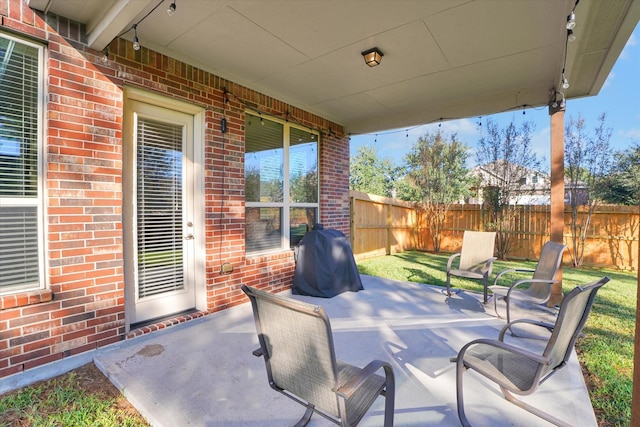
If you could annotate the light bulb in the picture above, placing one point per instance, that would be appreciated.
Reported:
(570, 36)
(565, 83)
(136, 42)
(571, 21)
(172, 9)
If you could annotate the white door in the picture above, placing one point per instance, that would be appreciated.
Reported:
(159, 212)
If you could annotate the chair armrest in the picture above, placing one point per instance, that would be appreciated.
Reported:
(503, 346)
(349, 388)
(258, 352)
(450, 261)
(508, 326)
(523, 281)
(488, 265)
(512, 270)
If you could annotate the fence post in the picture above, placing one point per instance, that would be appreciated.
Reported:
(352, 222)
(389, 226)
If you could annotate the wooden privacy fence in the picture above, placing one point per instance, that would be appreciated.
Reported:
(382, 226)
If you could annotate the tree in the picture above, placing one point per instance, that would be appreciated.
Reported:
(622, 185)
(587, 162)
(508, 158)
(369, 174)
(436, 169)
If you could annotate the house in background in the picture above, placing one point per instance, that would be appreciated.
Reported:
(528, 186)
(152, 164)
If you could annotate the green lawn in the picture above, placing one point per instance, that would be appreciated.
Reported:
(606, 350)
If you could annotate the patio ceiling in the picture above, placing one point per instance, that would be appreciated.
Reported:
(442, 59)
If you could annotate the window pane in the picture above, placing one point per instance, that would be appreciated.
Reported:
(19, 249)
(19, 201)
(159, 208)
(263, 161)
(264, 229)
(18, 119)
(302, 220)
(303, 167)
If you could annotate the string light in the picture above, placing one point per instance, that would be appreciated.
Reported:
(134, 27)
(172, 9)
(571, 24)
(571, 20)
(136, 42)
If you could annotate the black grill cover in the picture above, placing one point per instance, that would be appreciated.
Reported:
(325, 266)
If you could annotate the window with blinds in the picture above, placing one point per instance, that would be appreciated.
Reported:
(20, 203)
(159, 208)
(281, 183)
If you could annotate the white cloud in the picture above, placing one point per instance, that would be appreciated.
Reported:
(633, 41)
(630, 133)
(609, 79)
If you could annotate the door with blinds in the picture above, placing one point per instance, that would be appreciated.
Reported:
(159, 212)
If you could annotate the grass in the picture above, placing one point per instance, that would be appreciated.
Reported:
(606, 350)
(82, 397)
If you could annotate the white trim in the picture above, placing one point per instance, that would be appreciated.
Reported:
(198, 113)
(286, 205)
(40, 201)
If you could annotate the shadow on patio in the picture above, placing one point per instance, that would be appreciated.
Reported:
(202, 373)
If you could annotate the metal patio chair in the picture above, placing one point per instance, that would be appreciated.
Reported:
(536, 290)
(520, 371)
(476, 259)
(297, 345)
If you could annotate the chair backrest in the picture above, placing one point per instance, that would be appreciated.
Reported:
(477, 248)
(297, 346)
(569, 323)
(547, 268)
(550, 261)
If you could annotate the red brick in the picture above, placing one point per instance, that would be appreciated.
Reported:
(84, 182)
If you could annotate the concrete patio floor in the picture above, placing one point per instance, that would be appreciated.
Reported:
(202, 373)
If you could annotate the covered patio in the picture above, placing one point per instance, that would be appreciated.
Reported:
(207, 71)
(203, 373)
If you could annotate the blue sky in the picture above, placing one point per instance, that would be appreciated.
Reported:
(619, 98)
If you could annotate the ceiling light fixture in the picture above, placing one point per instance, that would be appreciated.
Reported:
(571, 21)
(136, 42)
(372, 57)
(172, 9)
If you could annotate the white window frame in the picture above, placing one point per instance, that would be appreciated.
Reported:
(286, 203)
(37, 201)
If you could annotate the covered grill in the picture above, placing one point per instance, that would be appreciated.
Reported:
(325, 266)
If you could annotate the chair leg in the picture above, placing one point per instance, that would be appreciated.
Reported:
(306, 417)
(485, 285)
(448, 284)
(495, 305)
(389, 396)
(533, 410)
(459, 394)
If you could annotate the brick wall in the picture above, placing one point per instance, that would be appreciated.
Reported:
(83, 305)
